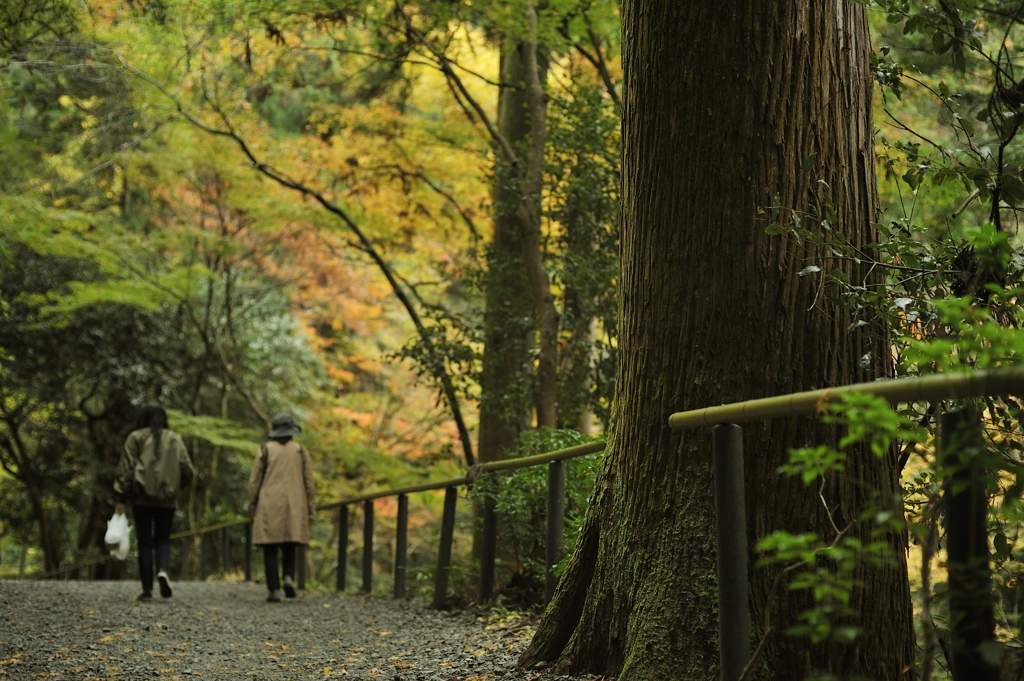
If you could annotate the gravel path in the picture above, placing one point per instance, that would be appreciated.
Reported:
(226, 630)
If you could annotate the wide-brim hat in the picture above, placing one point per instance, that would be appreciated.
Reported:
(283, 425)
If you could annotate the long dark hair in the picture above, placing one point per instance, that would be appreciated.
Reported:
(153, 417)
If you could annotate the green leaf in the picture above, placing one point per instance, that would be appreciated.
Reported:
(811, 463)
(809, 163)
(1011, 188)
(1002, 546)
(967, 125)
(959, 58)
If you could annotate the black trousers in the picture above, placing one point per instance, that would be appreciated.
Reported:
(270, 563)
(153, 527)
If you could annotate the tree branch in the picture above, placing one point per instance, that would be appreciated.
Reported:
(228, 132)
(596, 59)
(445, 66)
(420, 175)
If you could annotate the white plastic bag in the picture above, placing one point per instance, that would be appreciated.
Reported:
(118, 537)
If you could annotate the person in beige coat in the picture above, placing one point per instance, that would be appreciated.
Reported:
(282, 501)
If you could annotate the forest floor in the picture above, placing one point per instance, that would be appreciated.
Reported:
(226, 630)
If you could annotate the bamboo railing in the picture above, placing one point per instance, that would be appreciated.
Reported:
(341, 506)
(734, 625)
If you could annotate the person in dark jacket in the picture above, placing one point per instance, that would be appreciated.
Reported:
(282, 502)
(152, 471)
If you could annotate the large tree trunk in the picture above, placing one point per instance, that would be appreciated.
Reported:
(728, 106)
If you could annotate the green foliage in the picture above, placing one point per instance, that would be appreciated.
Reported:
(103, 307)
(826, 567)
(219, 432)
(582, 204)
(866, 418)
(811, 463)
(452, 339)
(581, 214)
(520, 499)
(146, 263)
(22, 23)
(975, 337)
(951, 271)
(826, 571)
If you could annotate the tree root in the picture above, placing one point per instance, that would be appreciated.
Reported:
(563, 613)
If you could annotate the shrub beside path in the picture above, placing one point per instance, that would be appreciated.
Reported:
(226, 630)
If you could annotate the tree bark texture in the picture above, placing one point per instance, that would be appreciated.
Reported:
(726, 107)
(546, 382)
(508, 315)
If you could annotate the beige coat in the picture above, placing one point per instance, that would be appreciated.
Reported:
(282, 498)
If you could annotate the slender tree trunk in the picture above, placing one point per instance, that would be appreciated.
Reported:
(508, 323)
(21, 459)
(87, 526)
(215, 454)
(92, 526)
(726, 107)
(506, 376)
(50, 546)
(534, 76)
(574, 364)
